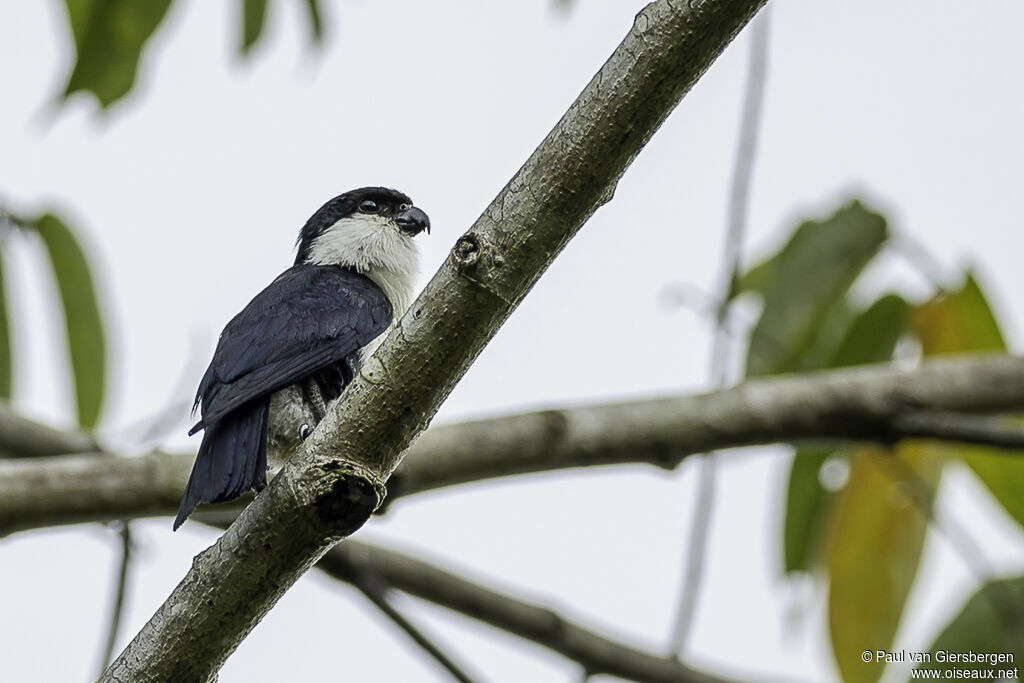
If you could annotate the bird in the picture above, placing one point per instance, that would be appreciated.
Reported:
(300, 341)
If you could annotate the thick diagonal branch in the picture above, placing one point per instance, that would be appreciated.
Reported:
(335, 481)
(944, 398)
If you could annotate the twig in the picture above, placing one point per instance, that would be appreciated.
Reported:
(596, 653)
(921, 259)
(739, 199)
(10, 220)
(959, 427)
(689, 296)
(24, 438)
(121, 589)
(376, 592)
(148, 432)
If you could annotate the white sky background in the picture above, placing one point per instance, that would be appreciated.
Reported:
(191, 192)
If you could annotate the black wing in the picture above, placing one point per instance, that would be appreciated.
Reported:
(309, 318)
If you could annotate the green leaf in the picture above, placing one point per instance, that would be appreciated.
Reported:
(805, 283)
(870, 338)
(1002, 473)
(86, 343)
(757, 278)
(806, 506)
(958, 321)
(109, 37)
(990, 622)
(963, 321)
(254, 17)
(316, 20)
(5, 341)
(831, 332)
(876, 543)
(874, 550)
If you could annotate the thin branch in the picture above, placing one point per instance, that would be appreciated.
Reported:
(148, 432)
(696, 552)
(596, 653)
(93, 487)
(736, 325)
(743, 171)
(866, 403)
(739, 200)
(336, 479)
(921, 259)
(964, 428)
(120, 590)
(9, 221)
(375, 592)
(21, 437)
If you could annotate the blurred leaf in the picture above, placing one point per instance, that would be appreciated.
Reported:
(963, 321)
(254, 22)
(874, 550)
(870, 338)
(1001, 472)
(5, 341)
(805, 282)
(990, 622)
(873, 335)
(876, 543)
(79, 13)
(806, 504)
(831, 332)
(254, 16)
(957, 321)
(316, 20)
(86, 344)
(757, 278)
(109, 38)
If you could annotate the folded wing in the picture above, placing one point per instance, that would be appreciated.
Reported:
(306, 320)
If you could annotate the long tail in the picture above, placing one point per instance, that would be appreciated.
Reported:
(232, 459)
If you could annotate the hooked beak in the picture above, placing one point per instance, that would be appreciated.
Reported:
(413, 221)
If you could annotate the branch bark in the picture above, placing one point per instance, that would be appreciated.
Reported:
(24, 438)
(939, 399)
(596, 653)
(335, 481)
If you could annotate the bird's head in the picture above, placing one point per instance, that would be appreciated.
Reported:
(365, 229)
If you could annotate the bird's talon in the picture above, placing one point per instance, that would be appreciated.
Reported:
(304, 431)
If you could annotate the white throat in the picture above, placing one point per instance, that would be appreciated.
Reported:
(377, 248)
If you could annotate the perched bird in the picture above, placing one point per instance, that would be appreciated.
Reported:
(299, 342)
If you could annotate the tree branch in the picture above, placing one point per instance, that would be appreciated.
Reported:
(120, 590)
(335, 481)
(949, 426)
(596, 653)
(24, 438)
(880, 403)
(736, 227)
(376, 592)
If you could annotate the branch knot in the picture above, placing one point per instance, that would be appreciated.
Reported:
(466, 252)
(352, 498)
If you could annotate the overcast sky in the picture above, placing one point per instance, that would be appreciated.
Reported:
(190, 193)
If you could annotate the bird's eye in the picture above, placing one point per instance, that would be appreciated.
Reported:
(369, 206)
(404, 207)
